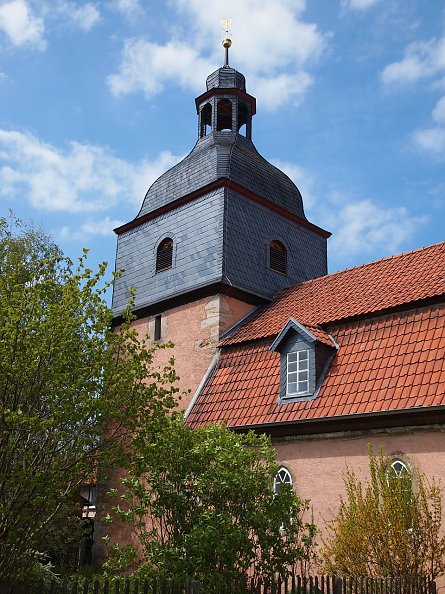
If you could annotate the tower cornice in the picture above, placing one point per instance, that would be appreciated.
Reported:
(222, 182)
(227, 91)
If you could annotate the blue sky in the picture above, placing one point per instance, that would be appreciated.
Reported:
(97, 100)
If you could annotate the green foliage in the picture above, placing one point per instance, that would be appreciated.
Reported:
(64, 373)
(202, 505)
(391, 526)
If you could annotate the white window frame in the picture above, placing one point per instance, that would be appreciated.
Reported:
(399, 472)
(297, 365)
(283, 477)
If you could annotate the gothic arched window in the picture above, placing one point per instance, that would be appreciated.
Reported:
(164, 255)
(282, 477)
(224, 119)
(399, 468)
(277, 257)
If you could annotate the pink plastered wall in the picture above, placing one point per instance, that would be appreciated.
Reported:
(318, 464)
(194, 329)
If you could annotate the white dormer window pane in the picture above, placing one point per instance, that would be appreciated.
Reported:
(298, 373)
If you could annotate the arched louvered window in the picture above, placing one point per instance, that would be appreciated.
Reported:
(164, 255)
(278, 257)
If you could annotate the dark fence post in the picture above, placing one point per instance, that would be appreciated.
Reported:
(337, 585)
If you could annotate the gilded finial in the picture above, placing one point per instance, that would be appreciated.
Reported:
(227, 42)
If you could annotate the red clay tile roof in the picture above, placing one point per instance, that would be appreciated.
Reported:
(386, 363)
(365, 289)
(321, 335)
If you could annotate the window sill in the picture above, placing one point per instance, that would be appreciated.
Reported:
(297, 397)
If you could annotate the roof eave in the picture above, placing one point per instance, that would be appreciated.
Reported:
(420, 415)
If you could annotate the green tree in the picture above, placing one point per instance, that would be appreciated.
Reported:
(64, 373)
(201, 503)
(388, 527)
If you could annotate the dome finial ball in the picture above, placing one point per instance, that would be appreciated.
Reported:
(227, 43)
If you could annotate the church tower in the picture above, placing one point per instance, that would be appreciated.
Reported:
(218, 234)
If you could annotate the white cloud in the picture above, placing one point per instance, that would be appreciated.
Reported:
(358, 226)
(281, 89)
(90, 228)
(359, 4)
(148, 67)
(431, 140)
(366, 227)
(422, 60)
(82, 178)
(279, 60)
(21, 26)
(81, 16)
(84, 16)
(130, 8)
(439, 111)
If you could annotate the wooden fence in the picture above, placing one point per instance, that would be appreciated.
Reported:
(291, 585)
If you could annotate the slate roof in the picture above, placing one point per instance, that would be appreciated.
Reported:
(226, 78)
(386, 362)
(224, 155)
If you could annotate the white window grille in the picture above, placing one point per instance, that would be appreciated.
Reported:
(282, 477)
(298, 373)
(399, 468)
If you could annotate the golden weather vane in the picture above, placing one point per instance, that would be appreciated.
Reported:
(227, 42)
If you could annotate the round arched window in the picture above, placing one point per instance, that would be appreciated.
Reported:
(282, 477)
(164, 255)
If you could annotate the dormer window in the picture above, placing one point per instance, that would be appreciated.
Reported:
(164, 255)
(306, 353)
(277, 257)
(297, 373)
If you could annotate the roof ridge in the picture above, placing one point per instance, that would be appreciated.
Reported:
(366, 264)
